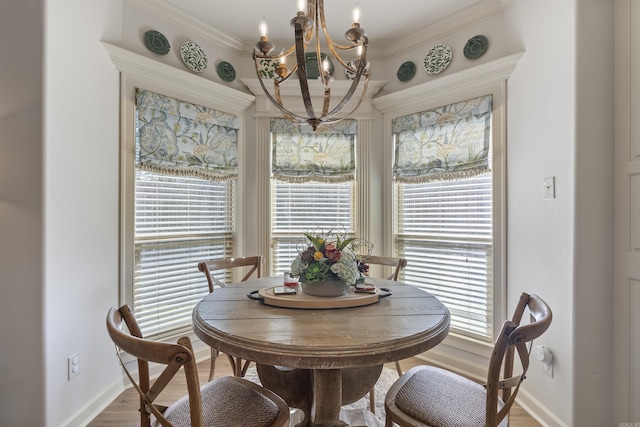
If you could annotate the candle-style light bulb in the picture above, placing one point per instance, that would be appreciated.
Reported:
(282, 59)
(359, 51)
(355, 15)
(263, 28)
(302, 5)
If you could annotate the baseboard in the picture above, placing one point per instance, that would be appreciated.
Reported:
(538, 411)
(91, 409)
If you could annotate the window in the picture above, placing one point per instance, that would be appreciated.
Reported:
(185, 175)
(313, 185)
(444, 209)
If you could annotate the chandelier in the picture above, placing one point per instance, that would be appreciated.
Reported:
(308, 24)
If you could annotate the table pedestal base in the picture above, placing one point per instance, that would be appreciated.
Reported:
(319, 392)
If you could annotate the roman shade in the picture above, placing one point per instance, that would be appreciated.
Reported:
(179, 138)
(302, 155)
(446, 143)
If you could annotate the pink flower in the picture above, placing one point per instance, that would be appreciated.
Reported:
(332, 253)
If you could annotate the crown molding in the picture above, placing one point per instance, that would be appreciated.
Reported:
(477, 12)
(167, 11)
(480, 76)
(153, 73)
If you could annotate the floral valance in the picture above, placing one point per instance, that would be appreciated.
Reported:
(449, 142)
(184, 139)
(300, 154)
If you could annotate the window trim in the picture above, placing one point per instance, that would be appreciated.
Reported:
(264, 112)
(484, 79)
(140, 71)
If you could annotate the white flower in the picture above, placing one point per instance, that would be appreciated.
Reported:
(346, 269)
(297, 265)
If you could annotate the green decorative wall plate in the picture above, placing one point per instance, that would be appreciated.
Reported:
(226, 71)
(156, 42)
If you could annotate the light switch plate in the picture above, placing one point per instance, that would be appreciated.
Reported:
(549, 188)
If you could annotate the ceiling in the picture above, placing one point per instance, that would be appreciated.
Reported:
(383, 23)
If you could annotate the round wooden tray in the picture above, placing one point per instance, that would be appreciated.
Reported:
(304, 301)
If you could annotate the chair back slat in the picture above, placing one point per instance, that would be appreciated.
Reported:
(397, 263)
(174, 356)
(209, 266)
(513, 338)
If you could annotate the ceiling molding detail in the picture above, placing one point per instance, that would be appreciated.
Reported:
(170, 13)
(155, 74)
(415, 97)
(477, 12)
(483, 9)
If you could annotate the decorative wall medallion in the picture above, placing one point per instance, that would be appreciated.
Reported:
(267, 68)
(226, 71)
(156, 42)
(406, 71)
(476, 47)
(193, 56)
(437, 59)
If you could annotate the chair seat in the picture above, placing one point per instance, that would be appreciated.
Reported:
(226, 401)
(441, 398)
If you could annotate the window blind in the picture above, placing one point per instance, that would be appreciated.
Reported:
(179, 221)
(444, 230)
(304, 207)
(312, 186)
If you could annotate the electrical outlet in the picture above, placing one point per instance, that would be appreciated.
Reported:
(545, 357)
(73, 365)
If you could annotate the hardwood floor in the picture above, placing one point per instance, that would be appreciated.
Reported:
(123, 411)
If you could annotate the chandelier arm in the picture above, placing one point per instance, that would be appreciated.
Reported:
(339, 58)
(288, 114)
(325, 104)
(329, 120)
(302, 75)
(350, 92)
(305, 26)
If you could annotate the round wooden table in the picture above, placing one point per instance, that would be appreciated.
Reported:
(339, 352)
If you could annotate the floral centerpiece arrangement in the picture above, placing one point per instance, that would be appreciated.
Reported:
(329, 259)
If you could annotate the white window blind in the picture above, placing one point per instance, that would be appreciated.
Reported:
(304, 207)
(179, 221)
(444, 230)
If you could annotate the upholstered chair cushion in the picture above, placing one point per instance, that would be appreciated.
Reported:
(437, 398)
(226, 403)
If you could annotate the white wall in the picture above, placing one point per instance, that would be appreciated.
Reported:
(81, 197)
(541, 139)
(21, 214)
(557, 126)
(560, 124)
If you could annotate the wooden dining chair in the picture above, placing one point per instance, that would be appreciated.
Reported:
(227, 401)
(238, 366)
(397, 263)
(430, 396)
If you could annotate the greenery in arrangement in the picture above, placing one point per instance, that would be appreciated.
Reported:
(328, 256)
